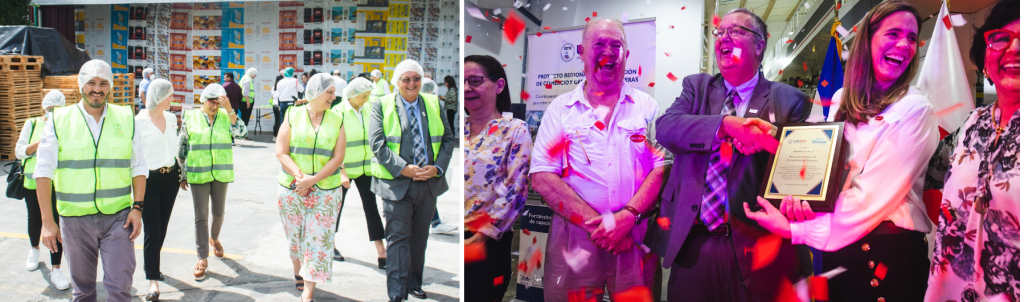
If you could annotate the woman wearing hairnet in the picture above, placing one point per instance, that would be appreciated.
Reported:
(311, 147)
(209, 166)
(159, 130)
(357, 161)
(25, 150)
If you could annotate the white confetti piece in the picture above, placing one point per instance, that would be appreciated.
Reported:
(475, 13)
(842, 31)
(624, 18)
(576, 259)
(497, 11)
(957, 20)
(608, 221)
(546, 6)
(737, 53)
(517, 4)
(834, 272)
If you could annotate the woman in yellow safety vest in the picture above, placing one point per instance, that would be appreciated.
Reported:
(209, 167)
(25, 150)
(357, 161)
(311, 148)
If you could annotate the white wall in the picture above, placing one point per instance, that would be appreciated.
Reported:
(683, 41)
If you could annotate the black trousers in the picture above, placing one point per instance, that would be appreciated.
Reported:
(246, 113)
(904, 254)
(161, 191)
(373, 222)
(481, 275)
(277, 119)
(35, 222)
(451, 118)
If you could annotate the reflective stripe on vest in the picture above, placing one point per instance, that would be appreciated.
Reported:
(357, 145)
(29, 164)
(312, 149)
(379, 90)
(393, 129)
(93, 177)
(209, 148)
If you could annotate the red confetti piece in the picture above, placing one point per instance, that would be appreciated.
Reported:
(765, 251)
(789, 41)
(534, 240)
(672, 77)
(805, 66)
(921, 43)
(487, 13)
(493, 129)
(668, 54)
(948, 22)
(726, 151)
(520, 57)
(638, 293)
(599, 125)
(942, 133)
(671, 27)
(593, 14)
(715, 20)
(523, 95)
(587, 19)
(576, 219)
(881, 271)
(602, 62)
(499, 280)
(546, 28)
(854, 29)
(522, 267)
(469, 38)
(839, 5)
(786, 292)
(932, 205)
(769, 35)
(547, 86)
(818, 286)
(824, 83)
(478, 223)
(639, 71)
(558, 81)
(475, 252)
(561, 207)
(780, 72)
(651, 84)
(803, 171)
(556, 150)
(538, 34)
(684, 8)
(504, 65)
(514, 26)
(664, 223)
(526, 232)
(799, 83)
(949, 109)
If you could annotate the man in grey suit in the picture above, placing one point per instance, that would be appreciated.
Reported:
(412, 145)
(710, 243)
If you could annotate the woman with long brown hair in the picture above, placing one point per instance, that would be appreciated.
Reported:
(877, 231)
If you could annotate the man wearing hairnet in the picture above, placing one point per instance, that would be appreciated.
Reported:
(91, 155)
(147, 76)
(25, 150)
(358, 155)
(286, 94)
(205, 142)
(412, 145)
(381, 89)
(249, 90)
(339, 86)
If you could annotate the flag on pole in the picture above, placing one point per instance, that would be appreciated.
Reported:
(942, 78)
(830, 81)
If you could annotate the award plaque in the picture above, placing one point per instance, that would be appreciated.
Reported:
(807, 165)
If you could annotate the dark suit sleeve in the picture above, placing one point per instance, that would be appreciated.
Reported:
(682, 131)
(378, 142)
(448, 141)
(798, 103)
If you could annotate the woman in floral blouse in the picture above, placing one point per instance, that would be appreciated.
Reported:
(977, 167)
(497, 162)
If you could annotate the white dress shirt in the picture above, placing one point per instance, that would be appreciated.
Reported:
(617, 164)
(21, 147)
(886, 161)
(46, 154)
(286, 89)
(161, 148)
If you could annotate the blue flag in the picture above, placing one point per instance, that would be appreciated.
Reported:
(831, 76)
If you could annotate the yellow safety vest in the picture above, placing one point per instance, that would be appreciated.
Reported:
(357, 145)
(379, 90)
(312, 149)
(93, 177)
(29, 164)
(393, 129)
(209, 155)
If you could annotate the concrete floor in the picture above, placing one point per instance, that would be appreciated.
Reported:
(257, 267)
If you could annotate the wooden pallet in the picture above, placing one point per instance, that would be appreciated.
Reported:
(21, 91)
(61, 82)
(21, 59)
(71, 96)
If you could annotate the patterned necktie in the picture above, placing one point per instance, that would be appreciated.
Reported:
(715, 195)
(417, 138)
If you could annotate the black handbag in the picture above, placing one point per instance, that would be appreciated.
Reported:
(15, 180)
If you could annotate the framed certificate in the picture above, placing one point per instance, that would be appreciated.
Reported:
(807, 165)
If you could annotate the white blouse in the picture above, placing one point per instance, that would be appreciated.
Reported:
(160, 149)
(884, 175)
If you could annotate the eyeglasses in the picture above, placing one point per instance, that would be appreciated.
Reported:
(407, 80)
(478, 80)
(734, 32)
(1000, 39)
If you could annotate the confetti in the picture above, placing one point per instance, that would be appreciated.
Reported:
(475, 252)
(576, 259)
(805, 66)
(534, 240)
(514, 26)
(725, 152)
(638, 293)
(824, 83)
(789, 41)
(921, 43)
(602, 62)
(587, 19)
(639, 71)
(524, 95)
(526, 232)
(799, 83)
(803, 170)
(736, 53)
(576, 219)
(684, 8)
(839, 5)
(651, 84)
(881, 271)
(593, 14)
(478, 223)
(664, 223)
(932, 200)
(854, 29)
(599, 125)
(520, 57)
(715, 20)
(499, 281)
(819, 288)
(786, 293)
(672, 77)
(671, 27)
(538, 34)
(558, 81)
(958, 20)
(547, 27)
(948, 22)
(469, 38)
(504, 65)
(546, 6)
(842, 31)
(547, 85)
(493, 129)
(949, 109)
(624, 18)
(561, 207)
(780, 72)
(563, 8)
(475, 13)
(497, 11)
(608, 221)
(764, 251)
(668, 54)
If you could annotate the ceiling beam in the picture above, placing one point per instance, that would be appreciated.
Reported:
(793, 12)
(768, 11)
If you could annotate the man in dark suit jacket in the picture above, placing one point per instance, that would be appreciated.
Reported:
(710, 242)
(408, 185)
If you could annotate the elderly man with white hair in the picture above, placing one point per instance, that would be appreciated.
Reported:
(94, 189)
(412, 145)
(381, 89)
(147, 77)
(249, 90)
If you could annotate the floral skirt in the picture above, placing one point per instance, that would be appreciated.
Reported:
(309, 226)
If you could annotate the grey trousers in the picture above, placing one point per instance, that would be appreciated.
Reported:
(407, 226)
(201, 199)
(86, 239)
(706, 270)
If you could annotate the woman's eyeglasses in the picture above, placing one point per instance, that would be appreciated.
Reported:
(478, 80)
(1000, 39)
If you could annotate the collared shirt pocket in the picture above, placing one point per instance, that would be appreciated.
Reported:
(634, 135)
(578, 144)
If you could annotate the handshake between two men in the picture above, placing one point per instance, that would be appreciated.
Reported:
(749, 135)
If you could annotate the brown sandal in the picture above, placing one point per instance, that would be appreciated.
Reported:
(218, 250)
(200, 271)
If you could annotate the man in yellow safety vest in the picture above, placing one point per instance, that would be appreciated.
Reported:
(91, 153)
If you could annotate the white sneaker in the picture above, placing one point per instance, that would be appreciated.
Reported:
(442, 228)
(33, 259)
(58, 279)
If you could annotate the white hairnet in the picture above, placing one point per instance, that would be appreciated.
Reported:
(94, 69)
(376, 73)
(336, 71)
(357, 87)
(212, 91)
(54, 98)
(427, 86)
(317, 85)
(339, 85)
(158, 91)
(147, 72)
(251, 72)
(403, 67)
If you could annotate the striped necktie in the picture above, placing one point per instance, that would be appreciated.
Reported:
(419, 159)
(715, 194)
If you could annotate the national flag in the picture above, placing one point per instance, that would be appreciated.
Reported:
(830, 81)
(942, 78)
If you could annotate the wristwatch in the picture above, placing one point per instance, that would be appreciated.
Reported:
(636, 214)
(137, 205)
